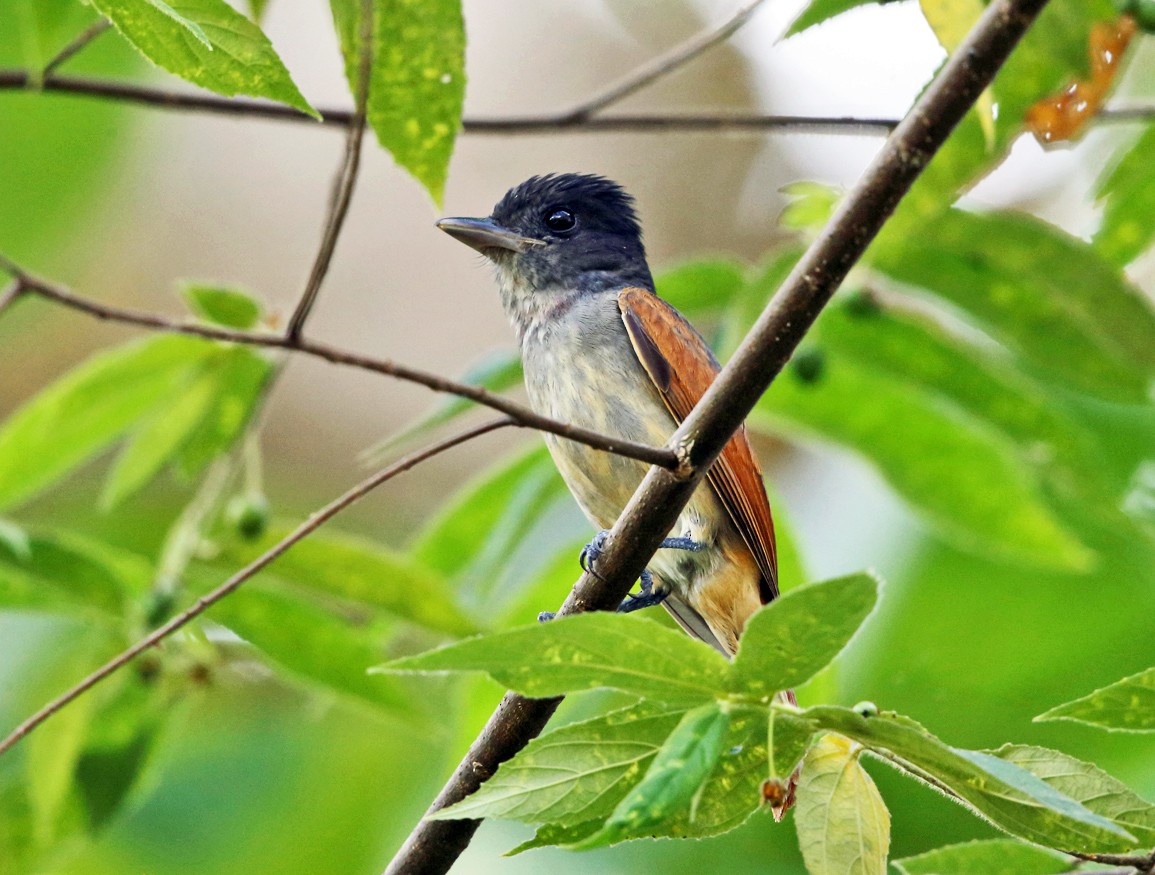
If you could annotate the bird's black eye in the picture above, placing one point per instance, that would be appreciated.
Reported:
(560, 221)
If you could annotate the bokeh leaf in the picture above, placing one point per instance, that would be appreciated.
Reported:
(704, 286)
(789, 640)
(987, 857)
(1128, 197)
(1088, 784)
(964, 477)
(314, 645)
(361, 573)
(583, 652)
(231, 308)
(673, 778)
(208, 43)
(843, 824)
(80, 414)
(1048, 297)
(1126, 706)
(416, 83)
(575, 773)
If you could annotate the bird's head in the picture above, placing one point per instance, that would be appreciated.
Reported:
(556, 238)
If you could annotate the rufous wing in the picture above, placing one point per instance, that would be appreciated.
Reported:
(682, 368)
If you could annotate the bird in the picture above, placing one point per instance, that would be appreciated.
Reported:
(601, 350)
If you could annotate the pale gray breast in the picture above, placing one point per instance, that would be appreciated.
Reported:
(581, 368)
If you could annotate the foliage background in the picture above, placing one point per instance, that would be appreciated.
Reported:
(119, 202)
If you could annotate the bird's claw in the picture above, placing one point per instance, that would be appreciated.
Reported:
(592, 551)
(546, 616)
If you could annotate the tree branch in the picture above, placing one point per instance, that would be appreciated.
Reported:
(552, 123)
(662, 456)
(1139, 862)
(345, 182)
(314, 522)
(660, 67)
(434, 845)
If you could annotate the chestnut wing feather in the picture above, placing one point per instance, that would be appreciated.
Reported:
(682, 367)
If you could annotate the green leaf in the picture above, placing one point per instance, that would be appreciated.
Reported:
(744, 311)
(584, 652)
(673, 779)
(86, 410)
(810, 206)
(552, 834)
(241, 375)
(73, 572)
(231, 308)
(968, 481)
(702, 287)
(1089, 785)
(788, 740)
(417, 81)
(52, 758)
(987, 857)
(1047, 296)
(476, 532)
(158, 440)
(818, 11)
(1128, 197)
(791, 639)
(496, 371)
(1126, 706)
(14, 539)
(208, 43)
(1008, 796)
(843, 824)
(575, 773)
(362, 573)
(312, 644)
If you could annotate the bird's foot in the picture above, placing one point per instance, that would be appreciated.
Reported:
(546, 616)
(682, 544)
(592, 551)
(647, 598)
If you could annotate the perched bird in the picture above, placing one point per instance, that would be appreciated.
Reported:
(602, 350)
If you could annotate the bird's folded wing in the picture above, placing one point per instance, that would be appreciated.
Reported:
(682, 368)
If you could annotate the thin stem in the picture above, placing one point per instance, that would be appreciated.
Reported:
(552, 123)
(660, 67)
(314, 522)
(1140, 862)
(345, 182)
(661, 456)
(11, 293)
(73, 48)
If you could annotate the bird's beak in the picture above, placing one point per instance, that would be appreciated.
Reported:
(484, 234)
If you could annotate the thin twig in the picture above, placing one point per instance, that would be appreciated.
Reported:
(1140, 862)
(14, 290)
(660, 67)
(661, 456)
(81, 42)
(345, 182)
(552, 123)
(315, 521)
(434, 845)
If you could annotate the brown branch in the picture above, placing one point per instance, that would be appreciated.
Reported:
(434, 845)
(73, 48)
(660, 67)
(20, 80)
(314, 522)
(345, 182)
(1139, 862)
(661, 456)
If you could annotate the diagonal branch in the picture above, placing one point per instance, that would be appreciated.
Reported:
(314, 522)
(660, 67)
(30, 285)
(345, 182)
(434, 845)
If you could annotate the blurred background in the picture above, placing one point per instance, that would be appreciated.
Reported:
(122, 203)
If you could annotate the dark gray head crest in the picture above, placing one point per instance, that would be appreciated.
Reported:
(601, 204)
(601, 250)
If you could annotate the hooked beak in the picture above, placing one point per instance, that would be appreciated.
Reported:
(483, 234)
